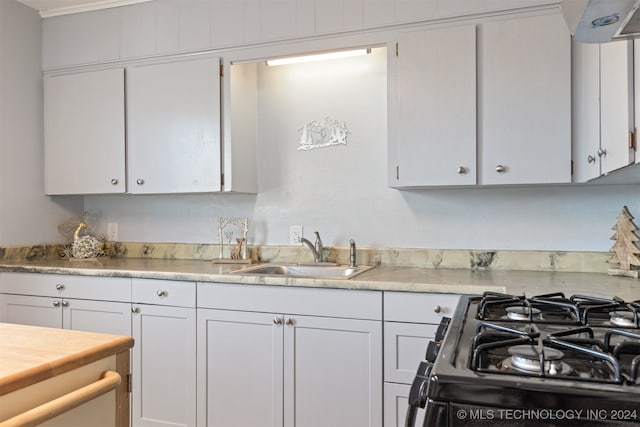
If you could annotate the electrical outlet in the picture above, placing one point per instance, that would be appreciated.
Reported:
(295, 235)
(112, 232)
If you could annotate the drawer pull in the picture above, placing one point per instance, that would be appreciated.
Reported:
(277, 321)
(56, 303)
(289, 321)
(59, 287)
(437, 309)
(162, 293)
(135, 310)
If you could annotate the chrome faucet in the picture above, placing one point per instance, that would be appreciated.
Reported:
(352, 253)
(316, 248)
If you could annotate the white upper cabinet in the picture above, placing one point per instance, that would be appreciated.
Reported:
(525, 101)
(173, 127)
(602, 108)
(432, 108)
(85, 132)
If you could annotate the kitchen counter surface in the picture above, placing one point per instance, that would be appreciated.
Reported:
(30, 354)
(386, 278)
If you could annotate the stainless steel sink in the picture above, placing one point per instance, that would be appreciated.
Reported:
(318, 271)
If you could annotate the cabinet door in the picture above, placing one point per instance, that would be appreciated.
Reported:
(97, 316)
(84, 132)
(525, 101)
(332, 372)
(616, 104)
(585, 111)
(173, 127)
(30, 310)
(405, 346)
(433, 108)
(240, 380)
(164, 366)
(396, 402)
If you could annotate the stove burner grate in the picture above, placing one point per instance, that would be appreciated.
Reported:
(586, 352)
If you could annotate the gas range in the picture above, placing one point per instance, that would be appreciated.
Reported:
(533, 361)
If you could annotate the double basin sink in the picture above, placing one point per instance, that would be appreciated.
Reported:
(314, 271)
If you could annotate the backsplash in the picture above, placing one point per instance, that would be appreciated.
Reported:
(588, 262)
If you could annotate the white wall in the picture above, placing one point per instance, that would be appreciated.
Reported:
(341, 191)
(27, 216)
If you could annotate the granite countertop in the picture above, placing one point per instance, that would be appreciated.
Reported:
(385, 278)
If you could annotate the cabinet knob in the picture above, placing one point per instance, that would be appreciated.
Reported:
(114, 181)
(65, 303)
(501, 169)
(277, 321)
(462, 170)
(591, 159)
(162, 293)
(289, 321)
(56, 303)
(135, 310)
(602, 152)
(437, 309)
(140, 181)
(59, 287)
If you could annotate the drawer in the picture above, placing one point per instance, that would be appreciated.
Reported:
(405, 346)
(418, 307)
(164, 292)
(344, 303)
(67, 286)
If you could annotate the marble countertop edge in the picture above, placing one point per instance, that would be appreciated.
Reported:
(381, 278)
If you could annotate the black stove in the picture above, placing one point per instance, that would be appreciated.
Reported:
(548, 360)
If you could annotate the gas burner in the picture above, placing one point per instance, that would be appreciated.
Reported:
(527, 358)
(622, 319)
(523, 313)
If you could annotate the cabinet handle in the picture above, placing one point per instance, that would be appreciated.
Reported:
(277, 321)
(501, 169)
(59, 287)
(462, 170)
(162, 293)
(602, 152)
(591, 159)
(140, 181)
(437, 309)
(65, 303)
(135, 310)
(289, 321)
(56, 303)
(114, 181)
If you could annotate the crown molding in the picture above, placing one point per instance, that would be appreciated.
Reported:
(87, 7)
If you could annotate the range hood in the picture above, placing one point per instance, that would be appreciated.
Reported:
(601, 21)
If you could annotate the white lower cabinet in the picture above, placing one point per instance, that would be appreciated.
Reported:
(283, 367)
(164, 358)
(58, 301)
(410, 322)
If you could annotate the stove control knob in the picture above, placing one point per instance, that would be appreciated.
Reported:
(433, 348)
(437, 309)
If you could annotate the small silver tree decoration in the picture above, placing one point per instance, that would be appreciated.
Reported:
(625, 250)
(238, 253)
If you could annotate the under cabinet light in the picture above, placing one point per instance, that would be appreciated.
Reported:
(317, 57)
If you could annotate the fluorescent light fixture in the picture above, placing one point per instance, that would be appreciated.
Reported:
(317, 57)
